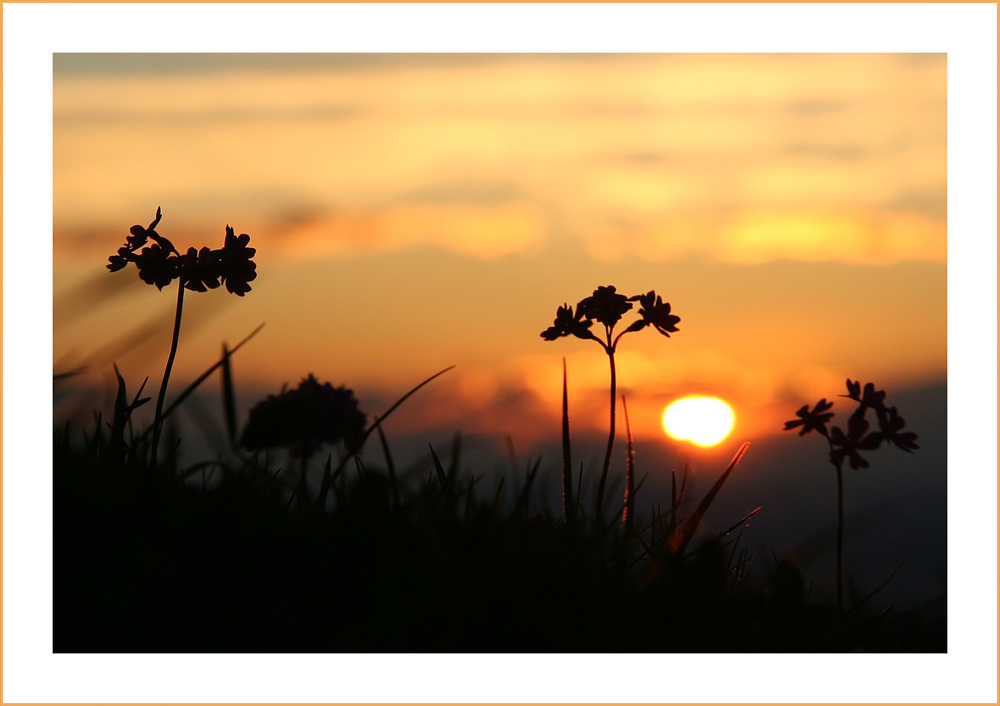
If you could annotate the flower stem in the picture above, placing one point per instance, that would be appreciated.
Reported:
(840, 537)
(611, 437)
(158, 416)
(569, 504)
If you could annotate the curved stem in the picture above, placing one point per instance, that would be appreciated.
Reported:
(158, 416)
(614, 343)
(611, 437)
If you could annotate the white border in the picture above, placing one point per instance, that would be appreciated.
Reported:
(966, 32)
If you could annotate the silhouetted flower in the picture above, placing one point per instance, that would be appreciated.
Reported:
(200, 269)
(237, 269)
(605, 305)
(567, 324)
(809, 420)
(119, 261)
(655, 311)
(139, 236)
(891, 423)
(156, 266)
(847, 445)
(870, 397)
(305, 418)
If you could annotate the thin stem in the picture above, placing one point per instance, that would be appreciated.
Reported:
(158, 416)
(840, 537)
(611, 436)
(569, 505)
(840, 526)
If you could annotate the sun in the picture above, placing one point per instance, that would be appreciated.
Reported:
(704, 421)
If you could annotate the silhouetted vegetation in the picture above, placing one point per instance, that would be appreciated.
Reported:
(294, 542)
(607, 306)
(846, 446)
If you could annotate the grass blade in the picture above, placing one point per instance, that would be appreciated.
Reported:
(522, 500)
(324, 487)
(880, 586)
(673, 502)
(228, 395)
(201, 378)
(745, 519)
(441, 475)
(496, 496)
(378, 420)
(390, 465)
(456, 452)
(628, 512)
(680, 540)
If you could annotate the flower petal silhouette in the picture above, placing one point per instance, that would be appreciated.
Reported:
(200, 269)
(156, 266)
(891, 424)
(567, 324)
(847, 445)
(117, 262)
(655, 311)
(605, 305)
(869, 397)
(236, 266)
(139, 236)
(814, 419)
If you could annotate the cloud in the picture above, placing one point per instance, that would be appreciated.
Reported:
(490, 232)
(754, 236)
(659, 156)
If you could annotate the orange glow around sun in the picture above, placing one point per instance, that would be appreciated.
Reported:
(704, 421)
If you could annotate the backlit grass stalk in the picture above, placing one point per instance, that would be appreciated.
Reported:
(628, 513)
(682, 537)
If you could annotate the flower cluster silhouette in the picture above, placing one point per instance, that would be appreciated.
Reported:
(607, 306)
(305, 418)
(160, 264)
(198, 270)
(846, 444)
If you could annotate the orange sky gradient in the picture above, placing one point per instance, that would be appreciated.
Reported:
(413, 212)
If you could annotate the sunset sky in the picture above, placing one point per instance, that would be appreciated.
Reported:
(416, 211)
(810, 217)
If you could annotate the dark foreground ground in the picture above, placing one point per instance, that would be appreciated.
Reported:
(146, 562)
